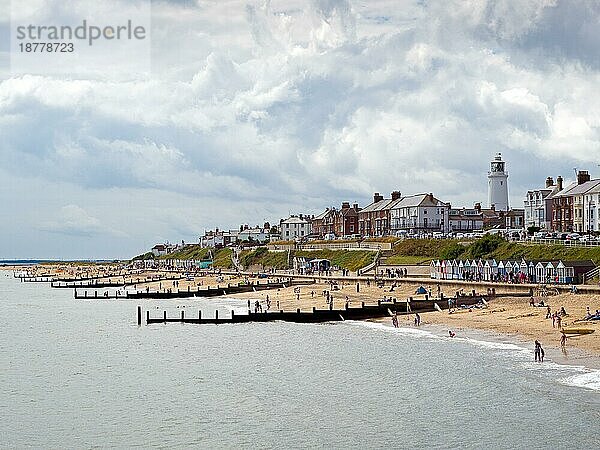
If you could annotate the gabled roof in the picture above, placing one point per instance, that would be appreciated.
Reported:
(584, 187)
(412, 201)
(378, 206)
(564, 192)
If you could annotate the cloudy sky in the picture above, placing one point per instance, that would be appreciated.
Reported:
(256, 109)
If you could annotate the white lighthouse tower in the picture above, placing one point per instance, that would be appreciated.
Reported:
(498, 184)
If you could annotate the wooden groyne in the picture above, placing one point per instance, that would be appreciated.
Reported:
(201, 291)
(99, 283)
(363, 312)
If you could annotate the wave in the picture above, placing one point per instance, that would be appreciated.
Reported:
(583, 377)
(587, 380)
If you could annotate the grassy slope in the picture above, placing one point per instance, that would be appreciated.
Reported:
(411, 251)
(347, 259)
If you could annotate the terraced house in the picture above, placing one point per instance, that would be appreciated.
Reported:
(420, 213)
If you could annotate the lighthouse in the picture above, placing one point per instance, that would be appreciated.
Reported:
(498, 184)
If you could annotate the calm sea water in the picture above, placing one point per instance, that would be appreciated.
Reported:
(81, 374)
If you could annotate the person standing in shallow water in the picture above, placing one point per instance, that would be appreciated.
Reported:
(538, 352)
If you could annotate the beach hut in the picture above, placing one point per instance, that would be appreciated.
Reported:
(560, 272)
(487, 270)
(461, 269)
(550, 273)
(438, 269)
(540, 272)
(531, 271)
(467, 267)
(432, 271)
(454, 271)
(501, 269)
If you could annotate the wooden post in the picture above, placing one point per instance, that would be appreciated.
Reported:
(182, 314)
(314, 309)
(147, 317)
(165, 315)
(298, 310)
(199, 315)
(139, 315)
(357, 287)
(95, 294)
(217, 314)
(232, 314)
(362, 305)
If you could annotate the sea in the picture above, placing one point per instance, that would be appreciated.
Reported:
(83, 374)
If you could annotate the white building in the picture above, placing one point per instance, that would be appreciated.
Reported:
(591, 211)
(255, 235)
(218, 238)
(294, 227)
(538, 206)
(498, 184)
(421, 213)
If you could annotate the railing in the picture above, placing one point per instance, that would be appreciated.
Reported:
(591, 274)
(565, 242)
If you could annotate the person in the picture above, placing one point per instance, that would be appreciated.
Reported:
(541, 354)
(417, 319)
(537, 352)
(451, 333)
(563, 311)
(563, 340)
(531, 302)
(558, 320)
(548, 313)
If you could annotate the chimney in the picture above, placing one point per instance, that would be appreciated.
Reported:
(583, 176)
(478, 207)
(301, 217)
(549, 182)
(559, 183)
(377, 197)
(396, 195)
(355, 206)
(431, 197)
(493, 207)
(346, 205)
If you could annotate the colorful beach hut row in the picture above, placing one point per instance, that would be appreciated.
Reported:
(559, 271)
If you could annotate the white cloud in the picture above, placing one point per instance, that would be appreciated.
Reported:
(283, 105)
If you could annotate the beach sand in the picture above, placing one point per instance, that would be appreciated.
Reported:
(510, 317)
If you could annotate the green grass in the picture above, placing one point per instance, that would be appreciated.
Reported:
(223, 258)
(193, 251)
(346, 259)
(261, 256)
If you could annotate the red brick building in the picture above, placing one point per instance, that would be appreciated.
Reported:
(374, 219)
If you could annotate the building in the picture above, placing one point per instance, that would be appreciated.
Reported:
(465, 220)
(537, 206)
(498, 185)
(421, 213)
(591, 211)
(295, 227)
(562, 207)
(254, 235)
(159, 250)
(514, 219)
(570, 211)
(219, 238)
(579, 194)
(322, 224)
(345, 220)
(374, 219)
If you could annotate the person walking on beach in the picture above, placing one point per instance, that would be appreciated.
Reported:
(563, 340)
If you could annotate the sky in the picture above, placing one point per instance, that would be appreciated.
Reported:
(253, 110)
